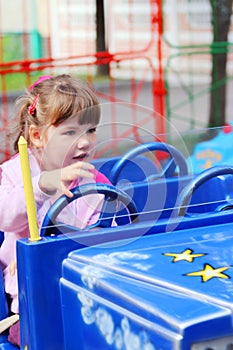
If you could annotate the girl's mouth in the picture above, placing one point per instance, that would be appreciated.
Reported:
(81, 156)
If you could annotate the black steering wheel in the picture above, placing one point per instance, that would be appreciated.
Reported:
(111, 195)
(187, 192)
(177, 159)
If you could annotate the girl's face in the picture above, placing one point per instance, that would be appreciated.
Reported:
(67, 143)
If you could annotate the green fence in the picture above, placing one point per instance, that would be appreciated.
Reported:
(198, 65)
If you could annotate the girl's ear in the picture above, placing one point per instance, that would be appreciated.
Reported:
(36, 137)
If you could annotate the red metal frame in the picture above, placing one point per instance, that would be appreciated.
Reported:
(151, 51)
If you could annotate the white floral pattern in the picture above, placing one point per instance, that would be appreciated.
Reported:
(118, 336)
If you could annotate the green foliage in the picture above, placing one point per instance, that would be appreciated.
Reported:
(13, 47)
(14, 82)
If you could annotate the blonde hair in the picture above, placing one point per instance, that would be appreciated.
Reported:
(56, 99)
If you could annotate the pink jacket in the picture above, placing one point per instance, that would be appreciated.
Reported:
(13, 215)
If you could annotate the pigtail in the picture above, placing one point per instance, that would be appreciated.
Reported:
(26, 116)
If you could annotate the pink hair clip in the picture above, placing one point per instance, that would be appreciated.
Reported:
(38, 81)
(32, 107)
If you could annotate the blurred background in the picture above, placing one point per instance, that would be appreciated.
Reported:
(159, 67)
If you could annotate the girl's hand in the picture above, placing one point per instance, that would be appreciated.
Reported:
(59, 180)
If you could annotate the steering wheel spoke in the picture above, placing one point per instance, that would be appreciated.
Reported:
(169, 168)
(107, 214)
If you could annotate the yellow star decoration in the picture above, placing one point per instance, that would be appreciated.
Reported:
(210, 272)
(185, 255)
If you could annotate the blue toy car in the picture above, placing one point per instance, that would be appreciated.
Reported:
(161, 279)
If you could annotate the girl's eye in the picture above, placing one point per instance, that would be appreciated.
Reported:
(70, 132)
(92, 131)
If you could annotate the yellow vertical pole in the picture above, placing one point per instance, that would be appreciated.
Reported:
(28, 190)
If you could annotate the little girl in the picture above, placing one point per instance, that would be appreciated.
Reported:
(58, 117)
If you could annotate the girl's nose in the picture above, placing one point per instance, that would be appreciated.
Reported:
(83, 142)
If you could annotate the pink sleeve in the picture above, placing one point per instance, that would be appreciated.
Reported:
(99, 177)
(13, 214)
